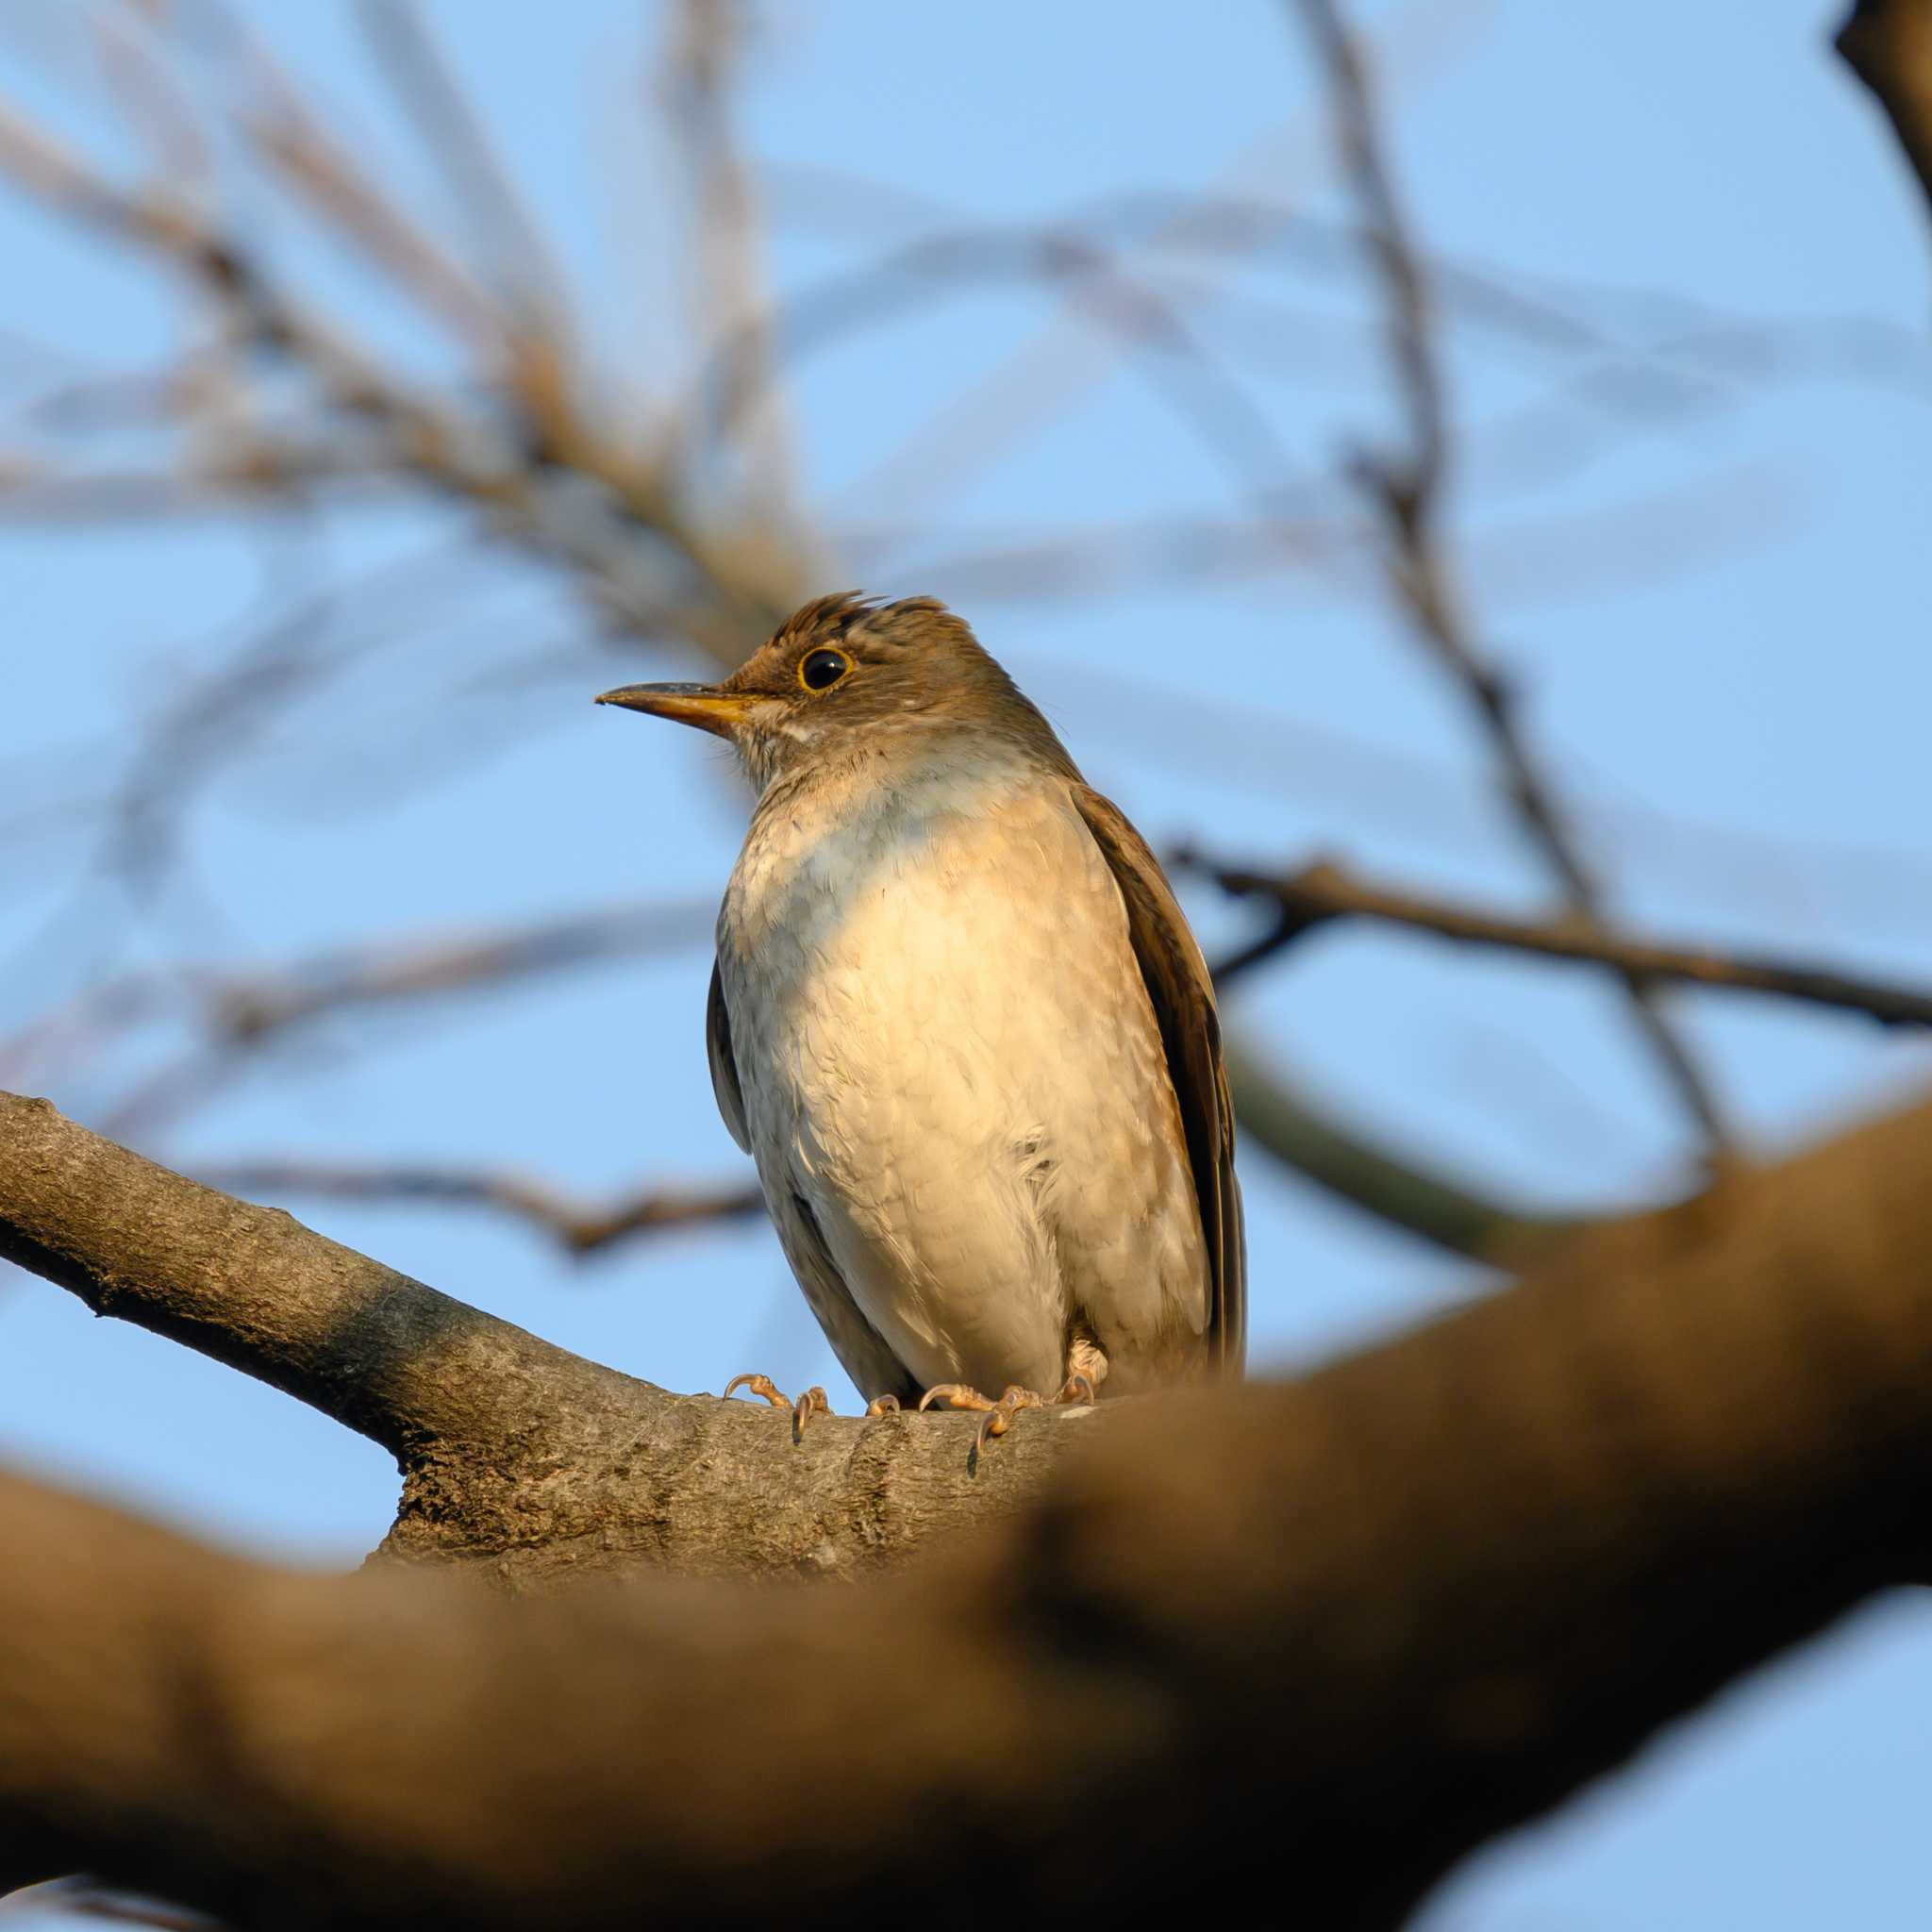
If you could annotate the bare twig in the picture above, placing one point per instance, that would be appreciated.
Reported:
(240, 1016)
(1409, 492)
(531, 284)
(271, 111)
(232, 1017)
(579, 1228)
(1323, 892)
(735, 588)
(1204, 396)
(734, 298)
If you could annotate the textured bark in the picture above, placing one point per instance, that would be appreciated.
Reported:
(515, 1455)
(1343, 1629)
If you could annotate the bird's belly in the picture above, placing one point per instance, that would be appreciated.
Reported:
(947, 1052)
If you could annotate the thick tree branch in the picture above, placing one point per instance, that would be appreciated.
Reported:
(1323, 892)
(513, 1453)
(1345, 1628)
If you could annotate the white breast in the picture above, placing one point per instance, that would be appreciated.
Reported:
(945, 1048)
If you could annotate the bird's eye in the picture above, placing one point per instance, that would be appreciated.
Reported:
(821, 670)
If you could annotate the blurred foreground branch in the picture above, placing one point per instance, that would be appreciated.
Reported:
(1345, 1630)
(1888, 44)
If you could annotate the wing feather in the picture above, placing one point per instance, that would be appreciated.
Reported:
(1178, 984)
(724, 1068)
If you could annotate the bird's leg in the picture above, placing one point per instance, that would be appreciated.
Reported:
(813, 1402)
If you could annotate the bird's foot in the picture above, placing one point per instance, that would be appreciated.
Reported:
(996, 1418)
(882, 1404)
(813, 1402)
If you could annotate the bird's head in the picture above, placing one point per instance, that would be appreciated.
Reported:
(847, 676)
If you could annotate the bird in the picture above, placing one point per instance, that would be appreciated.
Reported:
(958, 1021)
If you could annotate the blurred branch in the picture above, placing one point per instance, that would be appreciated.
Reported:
(742, 581)
(1888, 44)
(1401, 1191)
(1203, 396)
(250, 1009)
(580, 1229)
(238, 1016)
(234, 1016)
(276, 121)
(530, 281)
(1409, 492)
(1324, 892)
(242, 1015)
(735, 303)
(1434, 1588)
(517, 441)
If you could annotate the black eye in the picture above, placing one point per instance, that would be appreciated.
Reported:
(821, 670)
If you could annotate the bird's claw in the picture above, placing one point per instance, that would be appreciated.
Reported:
(759, 1385)
(955, 1395)
(882, 1404)
(813, 1402)
(996, 1418)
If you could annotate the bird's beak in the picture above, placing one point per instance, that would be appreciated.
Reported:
(710, 707)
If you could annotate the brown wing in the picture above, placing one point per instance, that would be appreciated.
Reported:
(724, 1068)
(1183, 996)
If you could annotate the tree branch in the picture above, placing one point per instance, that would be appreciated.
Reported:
(1409, 492)
(581, 1228)
(1446, 1211)
(1345, 1628)
(238, 1015)
(1322, 892)
(513, 1453)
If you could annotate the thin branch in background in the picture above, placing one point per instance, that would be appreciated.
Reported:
(231, 1017)
(1402, 1190)
(1409, 492)
(734, 304)
(502, 229)
(270, 114)
(240, 1017)
(736, 588)
(1320, 894)
(545, 468)
(577, 1226)
(151, 101)
(1203, 394)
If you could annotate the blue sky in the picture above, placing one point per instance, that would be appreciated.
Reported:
(1705, 574)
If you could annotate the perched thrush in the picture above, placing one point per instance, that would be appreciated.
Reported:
(959, 1023)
